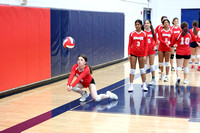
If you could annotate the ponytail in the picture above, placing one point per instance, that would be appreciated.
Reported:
(184, 27)
(195, 24)
(91, 71)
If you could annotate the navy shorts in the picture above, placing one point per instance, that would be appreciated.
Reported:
(92, 82)
(193, 44)
(183, 56)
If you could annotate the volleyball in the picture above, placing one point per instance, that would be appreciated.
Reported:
(68, 42)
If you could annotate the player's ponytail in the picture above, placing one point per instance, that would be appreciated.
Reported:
(85, 58)
(195, 24)
(184, 27)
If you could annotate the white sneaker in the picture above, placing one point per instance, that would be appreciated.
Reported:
(144, 87)
(112, 95)
(130, 89)
(161, 76)
(84, 96)
(166, 78)
(185, 81)
(153, 82)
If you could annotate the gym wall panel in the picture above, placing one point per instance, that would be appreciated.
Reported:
(98, 35)
(25, 46)
(189, 15)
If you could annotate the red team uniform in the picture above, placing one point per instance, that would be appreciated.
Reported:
(183, 47)
(151, 42)
(176, 30)
(195, 38)
(83, 76)
(164, 37)
(138, 44)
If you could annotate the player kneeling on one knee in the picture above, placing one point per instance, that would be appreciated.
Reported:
(84, 80)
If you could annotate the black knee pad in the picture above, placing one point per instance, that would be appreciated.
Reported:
(172, 56)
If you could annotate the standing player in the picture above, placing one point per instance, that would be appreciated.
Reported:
(84, 79)
(183, 52)
(176, 30)
(137, 50)
(194, 45)
(164, 36)
(158, 28)
(152, 41)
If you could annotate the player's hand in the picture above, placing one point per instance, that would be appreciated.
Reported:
(144, 58)
(69, 88)
(155, 48)
(168, 43)
(129, 56)
(198, 43)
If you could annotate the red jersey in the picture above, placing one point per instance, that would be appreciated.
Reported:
(176, 30)
(158, 28)
(164, 37)
(83, 76)
(197, 37)
(137, 44)
(183, 47)
(151, 41)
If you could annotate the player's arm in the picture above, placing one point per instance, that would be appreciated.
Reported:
(129, 44)
(72, 74)
(160, 37)
(82, 75)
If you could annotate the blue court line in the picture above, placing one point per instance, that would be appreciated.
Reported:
(59, 110)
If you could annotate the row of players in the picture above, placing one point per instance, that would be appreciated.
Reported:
(145, 40)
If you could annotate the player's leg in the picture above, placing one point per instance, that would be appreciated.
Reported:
(152, 68)
(198, 57)
(193, 56)
(186, 69)
(78, 88)
(167, 65)
(133, 61)
(160, 59)
(142, 72)
(179, 62)
(96, 97)
(172, 58)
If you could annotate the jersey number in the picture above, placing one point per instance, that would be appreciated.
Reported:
(138, 43)
(149, 40)
(187, 40)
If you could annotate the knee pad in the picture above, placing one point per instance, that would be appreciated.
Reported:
(198, 56)
(186, 70)
(76, 89)
(160, 63)
(142, 71)
(193, 56)
(172, 56)
(152, 68)
(179, 68)
(132, 71)
(167, 64)
(98, 98)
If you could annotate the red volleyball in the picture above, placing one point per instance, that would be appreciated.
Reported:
(68, 42)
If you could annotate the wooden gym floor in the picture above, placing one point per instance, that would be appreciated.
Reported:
(52, 109)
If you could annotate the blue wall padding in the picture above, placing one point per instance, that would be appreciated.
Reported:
(98, 35)
(189, 15)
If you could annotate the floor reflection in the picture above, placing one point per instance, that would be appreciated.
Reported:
(160, 100)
